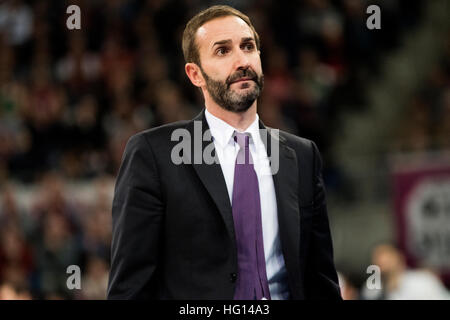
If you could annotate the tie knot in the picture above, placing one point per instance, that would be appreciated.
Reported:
(242, 139)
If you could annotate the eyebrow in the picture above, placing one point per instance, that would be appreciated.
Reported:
(221, 42)
(248, 39)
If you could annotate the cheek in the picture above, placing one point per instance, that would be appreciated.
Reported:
(257, 65)
(216, 71)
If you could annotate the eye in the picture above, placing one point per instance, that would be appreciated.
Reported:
(221, 51)
(249, 46)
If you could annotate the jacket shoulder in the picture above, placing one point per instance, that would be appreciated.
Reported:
(298, 143)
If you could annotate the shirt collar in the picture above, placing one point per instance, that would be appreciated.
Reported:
(222, 132)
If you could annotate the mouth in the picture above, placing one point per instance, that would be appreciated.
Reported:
(242, 80)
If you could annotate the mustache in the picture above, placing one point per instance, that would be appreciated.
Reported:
(245, 73)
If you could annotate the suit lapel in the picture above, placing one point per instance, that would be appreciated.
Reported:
(211, 175)
(286, 190)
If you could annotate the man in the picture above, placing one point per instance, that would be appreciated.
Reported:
(398, 282)
(228, 228)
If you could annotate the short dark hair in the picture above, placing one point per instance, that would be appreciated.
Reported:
(189, 45)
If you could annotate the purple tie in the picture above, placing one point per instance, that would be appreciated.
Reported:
(252, 278)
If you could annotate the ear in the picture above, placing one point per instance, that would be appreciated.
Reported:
(194, 74)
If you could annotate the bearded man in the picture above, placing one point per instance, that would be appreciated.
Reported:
(251, 224)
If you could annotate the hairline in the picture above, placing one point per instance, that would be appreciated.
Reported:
(230, 14)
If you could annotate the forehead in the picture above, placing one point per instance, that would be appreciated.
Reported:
(223, 28)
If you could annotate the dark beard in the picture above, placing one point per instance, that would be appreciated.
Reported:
(227, 99)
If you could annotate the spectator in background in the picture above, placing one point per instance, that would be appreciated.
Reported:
(97, 232)
(16, 261)
(56, 238)
(348, 290)
(51, 196)
(12, 214)
(54, 252)
(10, 292)
(16, 21)
(401, 283)
(95, 282)
(78, 69)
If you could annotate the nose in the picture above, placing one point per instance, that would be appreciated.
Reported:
(242, 60)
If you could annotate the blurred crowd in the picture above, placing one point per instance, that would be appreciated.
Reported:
(56, 230)
(70, 99)
(426, 122)
(392, 279)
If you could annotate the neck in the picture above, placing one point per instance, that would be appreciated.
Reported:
(240, 121)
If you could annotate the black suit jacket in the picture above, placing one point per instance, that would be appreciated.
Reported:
(173, 233)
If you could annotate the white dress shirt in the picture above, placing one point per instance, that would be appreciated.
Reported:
(227, 150)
